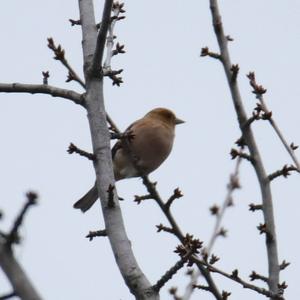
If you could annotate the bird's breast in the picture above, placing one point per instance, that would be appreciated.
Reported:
(152, 147)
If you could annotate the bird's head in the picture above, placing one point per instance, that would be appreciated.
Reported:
(164, 115)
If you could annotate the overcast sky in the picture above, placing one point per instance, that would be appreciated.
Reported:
(162, 68)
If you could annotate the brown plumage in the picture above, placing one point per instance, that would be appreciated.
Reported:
(151, 143)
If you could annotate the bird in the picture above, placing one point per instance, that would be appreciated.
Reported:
(149, 143)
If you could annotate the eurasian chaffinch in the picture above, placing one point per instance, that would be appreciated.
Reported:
(150, 141)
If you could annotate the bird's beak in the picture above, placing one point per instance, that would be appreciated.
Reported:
(179, 121)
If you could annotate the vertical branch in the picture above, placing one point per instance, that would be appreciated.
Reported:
(271, 241)
(101, 39)
(93, 48)
(110, 38)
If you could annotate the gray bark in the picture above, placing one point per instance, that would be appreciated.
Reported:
(16, 275)
(41, 89)
(121, 246)
(264, 182)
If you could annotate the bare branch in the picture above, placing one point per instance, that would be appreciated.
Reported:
(171, 272)
(151, 188)
(153, 192)
(205, 52)
(161, 227)
(231, 187)
(13, 236)
(235, 153)
(258, 90)
(176, 195)
(98, 55)
(59, 53)
(283, 265)
(42, 89)
(74, 149)
(255, 276)
(219, 213)
(8, 296)
(139, 199)
(235, 277)
(93, 234)
(254, 152)
(254, 207)
(117, 8)
(10, 266)
(285, 172)
(112, 124)
(16, 274)
(135, 279)
(74, 22)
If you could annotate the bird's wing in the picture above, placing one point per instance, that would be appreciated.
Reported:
(118, 145)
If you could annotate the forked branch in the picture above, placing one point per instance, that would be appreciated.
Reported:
(271, 244)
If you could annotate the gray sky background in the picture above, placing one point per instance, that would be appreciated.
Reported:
(162, 67)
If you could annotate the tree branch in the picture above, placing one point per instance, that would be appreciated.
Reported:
(232, 185)
(234, 276)
(16, 274)
(8, 296)
(13, 236)
(59, 53)
(172, 271)
(117, 8)
(271, 244)
(258, 90)
(178, 233)
(42, 89)
(10, 266)
(121, 246)
(101, 38)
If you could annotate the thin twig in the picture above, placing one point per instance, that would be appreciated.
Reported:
(60, 55)
(285, 172)
(155, 195)
(8, 296)
(176, 195)
(92, 234)
(171, 272)
(231, 187)
(74, 149)
(13, 236)
(234, 276)
(255, 276)
(259, 96)
(42, 89)
(74, 22)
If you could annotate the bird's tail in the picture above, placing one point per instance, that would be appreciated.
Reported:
(87, 200)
